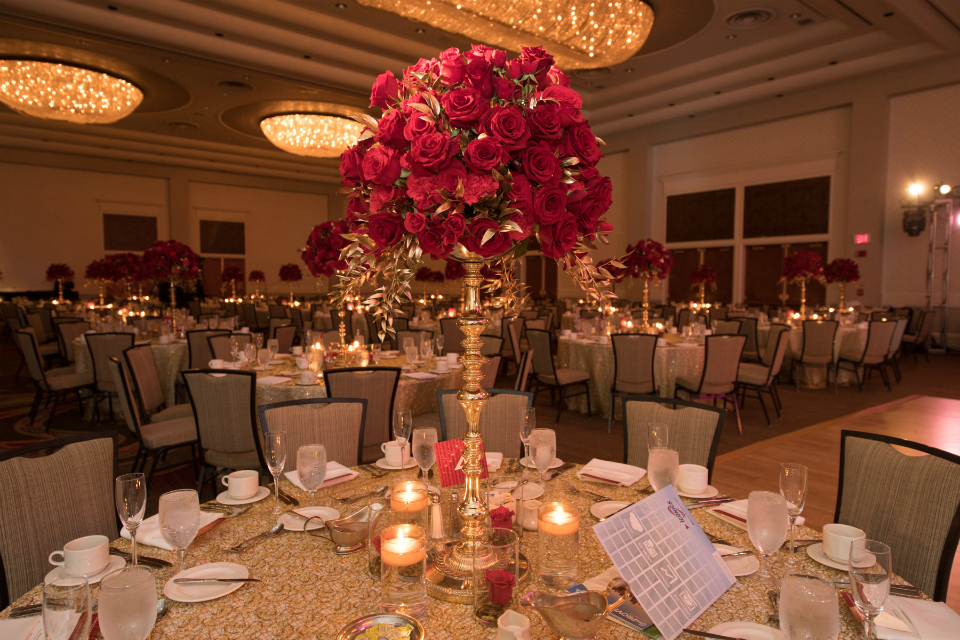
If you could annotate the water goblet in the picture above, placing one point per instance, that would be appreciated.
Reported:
(263, 357)
(423, 452)
(130, 495)
(235, 347)
(375, 352)
(275, 451)
(870, 568)
(66, 609)
(663, 468)
(127, 604)
(543, 444)
(273, 346)
(402, 427)
(312, 468)
(767, 527)
(250, 351)
(180, 520)
(408, 344)
(808, 608)
(439, 345)
(259, 338)
(793, 487)
(425, 348)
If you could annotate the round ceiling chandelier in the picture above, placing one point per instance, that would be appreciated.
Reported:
(311, 134)
(56, 91)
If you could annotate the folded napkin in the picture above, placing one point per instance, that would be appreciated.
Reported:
(336, 473)
(386, 353)
(736, 513)
(925, 620)
(612, 472)
(494, 460)
(420, 375)
(149, 530)
(22, 628)
(272, 380)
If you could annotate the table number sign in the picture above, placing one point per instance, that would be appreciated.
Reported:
(673, 570)
(450, 463)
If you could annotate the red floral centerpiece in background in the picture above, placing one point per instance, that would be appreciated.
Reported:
(231, 276)
(126, 268)
(647, 260)
(426, 274)
(322, 253)
(290, 273)
(454, 270)
(59, 272)
(842, 271)
(614, 268)
(703, 276)
(173, 262)
(798, 268)
(99, 272)
(257, 277)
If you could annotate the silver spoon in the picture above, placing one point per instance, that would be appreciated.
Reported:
(246, 544)
(375, 492)
(162, 607)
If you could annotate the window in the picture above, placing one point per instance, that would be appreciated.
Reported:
(792, 208)
(128, 233)
(221, 237)
(705, 215)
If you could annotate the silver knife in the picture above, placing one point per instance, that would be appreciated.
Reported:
(192, 580)
(550, 475)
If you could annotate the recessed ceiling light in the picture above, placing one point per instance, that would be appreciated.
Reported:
(628, 70)
(219, 35)
(629, 115)
(716, 93)
(340, 5)
(888, 14)
(419, 30)
(589, 84)
(750, 19)
(779, 95)
(731, 36)
(770, 79)
(795, 16)
(111, 7)
(692, 116)
(167, 60)
(670, 105)
(306, 57)
(833, 62)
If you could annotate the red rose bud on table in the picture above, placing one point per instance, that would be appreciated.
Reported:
(501, 584)
(501, 518)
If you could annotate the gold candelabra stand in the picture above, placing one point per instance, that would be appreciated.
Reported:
(842, 306)
(646, 304)
(102, 286)
(342, 352)
(803, 298)
(59, 290)
(703, 293)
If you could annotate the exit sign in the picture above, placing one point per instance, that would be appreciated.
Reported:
(861, 238)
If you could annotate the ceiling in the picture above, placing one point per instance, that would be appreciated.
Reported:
(211, 68)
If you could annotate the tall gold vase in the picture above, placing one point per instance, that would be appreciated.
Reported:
(646, 304)
(842, 307)
(803, 299)
(703, 293)
(59, 290)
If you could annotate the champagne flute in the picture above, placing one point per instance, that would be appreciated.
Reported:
(543, 443)
(528, 422)
(259, 338)
(423, 440)
(130, 495)
(250, 350)
(66, 609)
(235, 347)
(793, 487)
(273, 346)
(439, 345)
(312, 468)
(870, 568)
(767, 527)
(402, 427)
(180, 520)
(808, 608)
(128, 604)
(275, 450)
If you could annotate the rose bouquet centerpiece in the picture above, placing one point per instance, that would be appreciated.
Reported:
(799, 268)
(99, 272)
(231, 276)
(257, 277)
(290, 273)
(126, 268)
(322, 253)
(702, 277)
(647, 260)
(173, 262)
(842, 271)
(59, 272)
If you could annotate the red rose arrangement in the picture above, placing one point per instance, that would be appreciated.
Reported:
(704, 274)
(290, 273)
(257, 276)
(500, 585)
(231, 274)
(322, 253)
(802, 265)
(426, 274)
(59, 271)
(454, 270)
(842, 270)
(126, 267)
(98, 270)
(172, 261)
(501, 518)
(647, 259)
(476, 153)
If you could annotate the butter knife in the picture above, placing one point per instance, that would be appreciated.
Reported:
(147, 560)
(197, 580)
(289, 499)
(550, 475)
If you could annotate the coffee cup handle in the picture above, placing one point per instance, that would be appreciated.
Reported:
(54, 562)
(383, 447)
(226, 481)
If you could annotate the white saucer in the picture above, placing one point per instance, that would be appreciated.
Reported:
(203, 591)
(443, 373)
(531, 490)
(740, 565)
(63, 580)
(815, 552)
(300, 383)
(382, 463)
(528, 463)
(262, 492)
(709, 492)
(607, 508)
(292, 523)
(747, 631)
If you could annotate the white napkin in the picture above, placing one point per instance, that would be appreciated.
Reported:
(737, 511)
(336, 473)
(272, 380)
(420, 375)
(22, 628)
(494, 460)
(931, 620)
(149, 530)
(604, 470)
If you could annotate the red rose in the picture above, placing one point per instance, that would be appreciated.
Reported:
(579, 141)
(600, 187)
(449, 178)
(525, 223)
(431, 241)
(556, 76)
(587, 210)
(417, 126)
(350, 162)
(384, 88)
(477, 187)
(484, 155)
(390, 130)
(382, 195)
(480, 76)
(357, 206)
(500, 585)
(507, 125)
(429, 67)
(500, 242)
(549, 204)
(521, 193)
(539, 163)
(464, 107)
(424, 190)
(455, 224)
(514, 68)
(381, 165)
(506, 89)
(414, 222)
(451, 67)
(535, 61)
(385, 229)
(570, 103)
(501, 518)
(559, 238)
(544, 121)
(431, 152)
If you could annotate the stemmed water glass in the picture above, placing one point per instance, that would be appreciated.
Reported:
(767, 527)
(663, 464)
(543, 444)
(130, 495)
(128, 604)
(402, 428)
(375, 352)
(180, 520)
(312, 468)
(869, 567)
(423, 452)
(235, 347)
(250, 350)
(263, 357)
(425, 349)
(408, 344)
(528, 422)
(273, 346)
(439, 345)
(808, 608)
(259, 338)
(61, 604)
(793, 487)
(275, 450)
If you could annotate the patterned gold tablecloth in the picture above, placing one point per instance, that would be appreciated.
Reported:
(848, 338)
(597, 360)
(307, 592)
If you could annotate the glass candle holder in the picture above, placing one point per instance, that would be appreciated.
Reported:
(558, 545)
(403, 554)
(409, 500)
(500, 495)
(496, 575)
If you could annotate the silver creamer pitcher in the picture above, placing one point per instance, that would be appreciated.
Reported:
(349, 533)
(576, 616)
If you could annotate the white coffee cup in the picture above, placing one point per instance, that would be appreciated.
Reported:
(692, 478)
(308, 377)
(604, 339)
(297, 351)
(529, 517)
(452, 358)
(244, 329)
(85, 556)
(661, 342)
(165, 339)
(565, 333)
(392, 453)
(302, 363)
(443, 366)
(672, 330)
(513, 626)
(216, 363)
(242, 484)
(837, 539)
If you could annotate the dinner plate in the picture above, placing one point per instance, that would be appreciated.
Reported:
(608, 508)
(203, 591)
(293, 523)
(740, 565)
(747, 631)
(531, 490)
(815, 551)
(63, 580)
(709, 492)
(528, 463)
(262, 492)
(382, 463)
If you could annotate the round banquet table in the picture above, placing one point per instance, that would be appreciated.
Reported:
(307, 592)
(597, 360)
(849, 338)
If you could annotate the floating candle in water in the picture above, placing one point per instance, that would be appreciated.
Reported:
(559, 522)
(402, 546)
(408, 497)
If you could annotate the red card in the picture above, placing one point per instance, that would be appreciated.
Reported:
(448, 455)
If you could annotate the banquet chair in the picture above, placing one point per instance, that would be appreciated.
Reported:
(721, 362)
(529, 314)
(893, 353)
(67, 332)
(586, 313)
(303, 326)
(373, 332)
(376, 385)
(492, 346)
(668, 312)
(453, 336)
(881, 315)
(717, 313)
(911, 502)
(35, 322)
(873, 357)
(684, 318)
(336, 423)
(694, 429)
(224, 404)
(539, 324)
(194, 307)
(277, 311)
(511, 331)
(919, 339)
(45, 316)
(13, 325)
(817, 351)
(523, 371)
(276, 323)
(748, 328)
(489, 371)
(418, 338)
(284, 336)
(155, 438)
(762, 377)
(220, 346)
(548, 375)
(409, 310)
(55, 383)
(500, 420)
(146, 387)
(250, 317)
(727, 327)
(198, 349)
(633, 358)
(401, 324)
(769, 349)
(49, 500)
(102, 346)
(331, 338)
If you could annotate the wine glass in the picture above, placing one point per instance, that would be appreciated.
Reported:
(375, 353)
(808, 608)
(425, 348)
(408, 344)
(870, 567)
(793, 487)
(543, 444)
(767, 527)
(259, 338)
(658, 435)
(61, 605)
(263, 357)
(180, 520)
(128, 604)
(402, 427)
(235, 347)
(130, 495)
(312, 468)
(439, 345)
(423, 440)
(273, 346)
(528, 422)
(275, 451)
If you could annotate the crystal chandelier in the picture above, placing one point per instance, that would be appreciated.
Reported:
(62, 92)
(311, 134)
(579, 33)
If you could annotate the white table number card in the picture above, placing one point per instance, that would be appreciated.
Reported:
(672, 568)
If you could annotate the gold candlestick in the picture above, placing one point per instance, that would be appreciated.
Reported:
(646, 304)
(342, 352)
(803, 298)
(101, 292)
(60, 290)
(703, 291)
(291, 293)
(842, 307)
(233, 289)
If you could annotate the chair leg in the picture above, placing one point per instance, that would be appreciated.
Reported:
(36, 405)
(796, 375)
(560, 404)
(53, 411)
(773, 399)
(586, 388)
(737, 410)
(610, 413)
(886, 379)
(763, 406)
(153, 467)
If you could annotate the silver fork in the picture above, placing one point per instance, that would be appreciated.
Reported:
(596, 497)
(374, 470)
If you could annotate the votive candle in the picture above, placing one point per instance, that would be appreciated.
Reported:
(402, 545)
(409, 497)
(559, 522)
